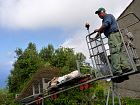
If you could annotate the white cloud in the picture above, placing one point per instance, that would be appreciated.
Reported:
(78, 42)
(30, 14)
(7, 63)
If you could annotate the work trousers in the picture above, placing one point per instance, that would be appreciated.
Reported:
(119, 59)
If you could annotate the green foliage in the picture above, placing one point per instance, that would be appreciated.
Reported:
(84, 69)
(65, 58)
(73, 97)
(47, 53)
(28, 61)
(7, 98)
(129, 101)
(80, 57)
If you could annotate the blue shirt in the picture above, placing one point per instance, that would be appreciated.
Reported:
(110, 24)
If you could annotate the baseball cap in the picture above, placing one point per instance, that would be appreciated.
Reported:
(99, 10)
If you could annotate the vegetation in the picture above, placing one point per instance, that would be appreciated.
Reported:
(7, 98)
(30, 60)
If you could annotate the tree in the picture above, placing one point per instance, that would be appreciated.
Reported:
(7, 98)
(65, 59)
(47, 53)
(81, 57)
(28, 61)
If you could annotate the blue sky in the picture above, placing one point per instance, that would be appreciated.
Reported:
(58, 22)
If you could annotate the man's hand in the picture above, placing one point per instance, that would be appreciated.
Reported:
(98, 34)
(96, 30)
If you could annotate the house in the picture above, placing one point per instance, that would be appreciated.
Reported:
(37, 85)
(131, 87)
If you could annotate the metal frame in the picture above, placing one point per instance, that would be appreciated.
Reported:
(90, 40)
(96, 47)
(112, 92)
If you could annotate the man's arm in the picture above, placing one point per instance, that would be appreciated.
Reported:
(100, 30)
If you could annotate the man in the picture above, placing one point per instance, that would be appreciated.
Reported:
(109, 27)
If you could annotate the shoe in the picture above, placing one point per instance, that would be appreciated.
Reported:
(120, 79)
(126, 77)
(126, 70)
(116, 73)
(117, 80)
